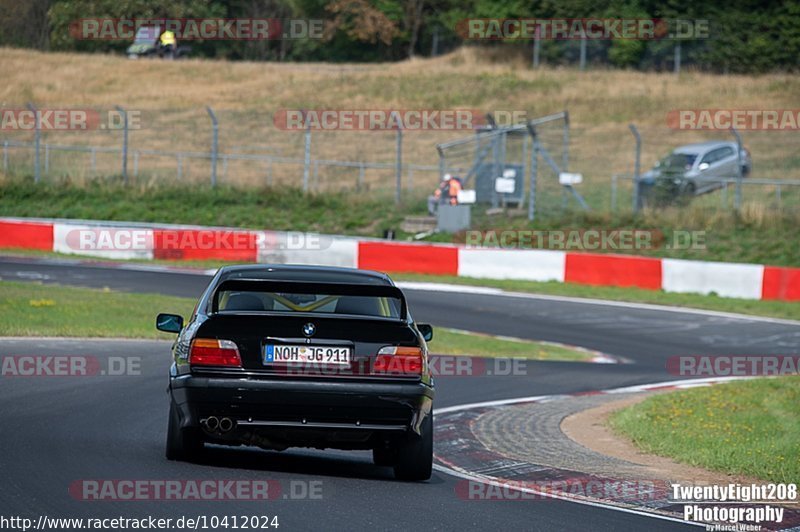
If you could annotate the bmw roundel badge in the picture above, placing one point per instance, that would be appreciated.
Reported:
(309, 329)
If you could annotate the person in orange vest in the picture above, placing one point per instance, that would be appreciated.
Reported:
(447, 192)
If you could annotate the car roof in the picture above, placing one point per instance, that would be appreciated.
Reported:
(701, 147)
(304, 272)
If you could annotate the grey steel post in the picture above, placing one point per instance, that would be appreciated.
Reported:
(214, 145)
(435, 42)
(565, 146)
(360, 182)
(180, 167)
(582, 65)
(677, 62)
(5, 156)
(534, 169)
(124, 114)
(637, 203)
(46, 159)
(495, 169)
(738, 198)
(537, 45)
(37, 163)
(136, 164)
(441, 161)
(778, 195)
(613, 192)
(307, 158)
(94, 159)
(565, 155)
(398, 165)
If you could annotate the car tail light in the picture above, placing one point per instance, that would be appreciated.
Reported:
(213, 352)
(396, 360)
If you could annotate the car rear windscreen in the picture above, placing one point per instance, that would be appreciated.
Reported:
(261, 301)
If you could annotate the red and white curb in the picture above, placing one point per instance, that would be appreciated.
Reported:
(145, 241)
(464, 445)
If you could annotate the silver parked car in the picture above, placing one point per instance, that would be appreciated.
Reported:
(697, 168)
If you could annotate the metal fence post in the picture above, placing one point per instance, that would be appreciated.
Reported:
(534, 168)
(441, 162)
(614, 193)
(565, 146)
(495, 169)
(637, 203)
(94, 159)
(307, 158)
(360, 182)
(46, 159)
(124, 143)
(5, 156)
(398, 169)
(214, 145)
(537, 45)
(37, 168)
(136, 164)
(582, 66)
(738, 198)
(677, 62)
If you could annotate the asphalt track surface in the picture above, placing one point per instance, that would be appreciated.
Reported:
(58, 430)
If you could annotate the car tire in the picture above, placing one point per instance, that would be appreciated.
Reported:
(415, 454)
(182, 443)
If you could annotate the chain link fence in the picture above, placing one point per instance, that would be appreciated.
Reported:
(178, 146)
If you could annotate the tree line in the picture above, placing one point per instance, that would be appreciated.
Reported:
(746, 36)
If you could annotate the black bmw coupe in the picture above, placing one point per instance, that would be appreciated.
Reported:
(280, 356)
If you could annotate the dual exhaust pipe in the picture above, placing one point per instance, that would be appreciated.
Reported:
(214, 424)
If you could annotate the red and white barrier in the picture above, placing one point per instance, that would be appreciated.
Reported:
(123, 240)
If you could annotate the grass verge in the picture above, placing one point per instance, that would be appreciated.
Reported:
(31, 309)
(749, 427)
(454, 342)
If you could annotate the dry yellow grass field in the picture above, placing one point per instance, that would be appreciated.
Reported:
(172, 97)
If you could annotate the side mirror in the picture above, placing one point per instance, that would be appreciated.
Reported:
(171, 323)
(426, 331)
(703, 166)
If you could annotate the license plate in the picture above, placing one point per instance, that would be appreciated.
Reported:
(310, 354)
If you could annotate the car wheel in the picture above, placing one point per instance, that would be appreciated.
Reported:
(690, 189)
(415, 454)
(182, 443)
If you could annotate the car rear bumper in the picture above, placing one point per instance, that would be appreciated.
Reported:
(347, 414)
